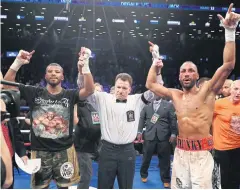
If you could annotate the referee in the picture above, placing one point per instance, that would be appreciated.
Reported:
(119, 116)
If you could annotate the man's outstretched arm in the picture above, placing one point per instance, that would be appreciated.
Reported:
(157, 88)
(154, 72)
(88, 87)
(230, 23)
(22, 58)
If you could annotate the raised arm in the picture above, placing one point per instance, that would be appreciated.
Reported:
(230, 23)
(83, 70)
(155, 71)
(149, 96)
(22, 58)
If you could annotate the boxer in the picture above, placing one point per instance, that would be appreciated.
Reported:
(193, 164)
(52, 120)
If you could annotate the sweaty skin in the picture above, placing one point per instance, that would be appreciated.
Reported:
(194, 112)
(194, 106)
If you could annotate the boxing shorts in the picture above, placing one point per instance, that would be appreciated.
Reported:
(61, 166)
(194, 166)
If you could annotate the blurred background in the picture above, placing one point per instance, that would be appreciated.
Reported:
(117, 32)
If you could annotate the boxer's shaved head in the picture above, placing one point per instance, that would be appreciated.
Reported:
(189, 63)
(188, 75)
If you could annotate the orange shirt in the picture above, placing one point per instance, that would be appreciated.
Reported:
(226, 125)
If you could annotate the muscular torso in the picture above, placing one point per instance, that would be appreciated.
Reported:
(194, 113)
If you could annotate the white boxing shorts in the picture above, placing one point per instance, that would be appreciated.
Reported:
(194, 166)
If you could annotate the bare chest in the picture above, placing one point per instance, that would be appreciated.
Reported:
(190, 105)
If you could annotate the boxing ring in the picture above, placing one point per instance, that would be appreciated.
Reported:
(22, 179)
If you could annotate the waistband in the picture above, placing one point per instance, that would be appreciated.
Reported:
(104, 142)
(195, 145)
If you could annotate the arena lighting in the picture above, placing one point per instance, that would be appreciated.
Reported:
(163, 57)
(154, 21)
(61, 18)
(192, 23)
(136, 21)
(118, 20)
(132, 4)
(20, 17)
(173, 22)
(82, 19)
(207, 24)
(11, 53)
(3, 16)
(99, 20)
(39, 17)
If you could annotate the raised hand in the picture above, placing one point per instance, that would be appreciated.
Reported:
(154, 49)
(22, 58)
(25, 56)
(83, 60)
(84, 55)
(231, 19)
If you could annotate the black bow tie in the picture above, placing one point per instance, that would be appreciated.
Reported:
(121, 101)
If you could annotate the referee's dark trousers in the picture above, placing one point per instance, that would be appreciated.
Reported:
(116, 160)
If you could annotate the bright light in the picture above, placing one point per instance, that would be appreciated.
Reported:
(118, 20)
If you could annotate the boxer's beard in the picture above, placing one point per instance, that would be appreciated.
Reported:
(188, 86)
(53, 84)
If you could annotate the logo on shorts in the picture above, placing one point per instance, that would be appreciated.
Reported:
(179, 183)
(67, 170)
